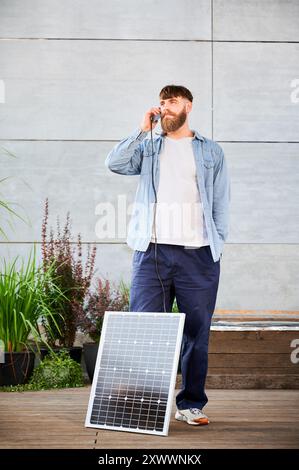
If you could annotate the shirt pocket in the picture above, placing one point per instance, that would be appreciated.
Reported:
(146, 167)
(208, 164)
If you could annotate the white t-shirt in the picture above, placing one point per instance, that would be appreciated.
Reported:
(179, 214)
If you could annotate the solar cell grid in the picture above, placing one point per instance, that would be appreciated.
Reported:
(135, 373)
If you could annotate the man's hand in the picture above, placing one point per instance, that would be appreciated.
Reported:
(145, 124)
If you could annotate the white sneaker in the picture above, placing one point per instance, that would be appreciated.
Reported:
(193, 416)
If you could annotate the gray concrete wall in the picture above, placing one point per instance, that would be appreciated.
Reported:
(78, 77)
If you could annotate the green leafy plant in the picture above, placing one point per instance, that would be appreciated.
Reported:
(6, 206)
(73, 279)
(175, 308)
(105, 297)
(55, 371)
(58, 371)
(24, 300)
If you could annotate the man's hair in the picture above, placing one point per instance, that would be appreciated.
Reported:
(169, 91)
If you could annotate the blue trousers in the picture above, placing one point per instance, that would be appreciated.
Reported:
(191, 276)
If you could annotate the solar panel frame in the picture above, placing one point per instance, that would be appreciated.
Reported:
(180, 319)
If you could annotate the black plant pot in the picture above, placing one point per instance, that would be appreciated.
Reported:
(90, 351)
(17, 368)
(75, 352)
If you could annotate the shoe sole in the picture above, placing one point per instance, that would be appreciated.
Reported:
(200, 422)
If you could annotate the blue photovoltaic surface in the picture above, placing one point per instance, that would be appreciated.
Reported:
(135, 373)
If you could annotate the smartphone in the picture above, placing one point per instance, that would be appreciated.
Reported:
(155, 117)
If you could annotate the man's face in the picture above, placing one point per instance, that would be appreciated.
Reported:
(174, 113)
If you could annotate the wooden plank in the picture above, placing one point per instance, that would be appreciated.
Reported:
(253, 370)
(264, 341)
(251, 335)
(252, 381)
(246, 315)
(267, 361)
(55, 419)
(245, 381)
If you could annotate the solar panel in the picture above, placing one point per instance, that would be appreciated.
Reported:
(135, 374)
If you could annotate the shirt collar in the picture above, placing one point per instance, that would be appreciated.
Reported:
(197, 135)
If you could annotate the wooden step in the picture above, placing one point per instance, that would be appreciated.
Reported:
(253, 353)
(256, 315)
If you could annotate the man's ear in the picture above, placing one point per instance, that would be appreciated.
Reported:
(188, 106)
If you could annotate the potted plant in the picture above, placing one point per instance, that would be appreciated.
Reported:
(23, 302)
(73, 278)
(55, 371)
(105, 297)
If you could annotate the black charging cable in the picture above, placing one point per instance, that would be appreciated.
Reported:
(154, 223)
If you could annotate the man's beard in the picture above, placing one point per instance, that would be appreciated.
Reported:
(173, 123)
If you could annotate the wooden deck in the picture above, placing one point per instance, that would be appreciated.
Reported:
(239, 419)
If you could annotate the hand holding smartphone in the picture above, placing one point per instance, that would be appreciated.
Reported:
(152, 116)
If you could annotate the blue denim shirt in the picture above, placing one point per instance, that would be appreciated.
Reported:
(133, 156)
